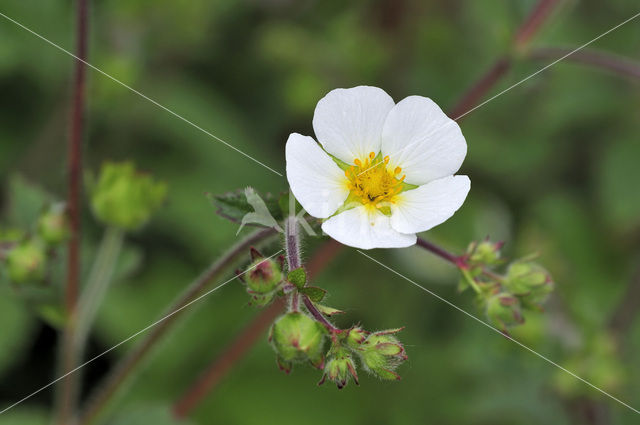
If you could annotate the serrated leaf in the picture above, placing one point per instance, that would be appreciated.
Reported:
(234, 206)
(314, 293)
(328, 311)
(298, 277)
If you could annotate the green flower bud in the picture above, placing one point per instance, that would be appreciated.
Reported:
(26, 262)
(503, 310)
(297, 337)
(355, 336)
(124, 198)
(263, 276)
(53, 226)
(530, 282)
(382, 353)
(340, 368)
(485, 252)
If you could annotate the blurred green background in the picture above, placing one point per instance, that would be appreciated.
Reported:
(553, 165)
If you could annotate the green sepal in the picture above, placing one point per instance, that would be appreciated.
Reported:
(314, 293)
(328, 311)
(297, 277)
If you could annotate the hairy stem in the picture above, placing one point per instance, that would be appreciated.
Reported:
(243, 342)
(292, 249)
(123, 370)
(66, 390)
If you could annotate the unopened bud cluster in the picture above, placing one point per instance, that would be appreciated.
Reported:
(26, 253)
(524, 285)
(300, 336)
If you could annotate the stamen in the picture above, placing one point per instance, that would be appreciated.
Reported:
(386, 159)
(357, 162)
(397, 170)
(372, 155)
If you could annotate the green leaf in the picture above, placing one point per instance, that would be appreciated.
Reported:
(298, 277)
(314, 293)
(234, 205)
(328, 311)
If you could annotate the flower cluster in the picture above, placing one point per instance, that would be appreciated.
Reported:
(525, 285)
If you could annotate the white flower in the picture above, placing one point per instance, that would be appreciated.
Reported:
(383, 172)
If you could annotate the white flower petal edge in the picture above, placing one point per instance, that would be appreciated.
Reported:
(348, 122)
(366, 228)
(420, 209)
(423, 140)
(315, 180)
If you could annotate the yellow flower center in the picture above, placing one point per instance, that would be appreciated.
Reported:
(371, 182)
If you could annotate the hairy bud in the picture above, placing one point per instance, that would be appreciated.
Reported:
(355, 337)
(125, 198)
(297, 337)
(263, 276)
(382, 353)
(503, 310)
(53, 226)
(485, 252)
(340, 368)
(26, 262)
(530, 282)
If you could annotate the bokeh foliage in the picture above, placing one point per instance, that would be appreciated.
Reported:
(553, 166)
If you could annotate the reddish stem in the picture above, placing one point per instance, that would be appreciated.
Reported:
(245, 340)
(617, 64)
(534, 21)
(459, 261)
(66, 397)
(523, 36)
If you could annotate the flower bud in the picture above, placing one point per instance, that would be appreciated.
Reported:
(355, 336)
(26, 262)
(124, 198)
(529, 281)
(340, 368)
(297, 337)
(263, 276)
(503, 310)
(485, 252)
(53, 226)
(382, 353)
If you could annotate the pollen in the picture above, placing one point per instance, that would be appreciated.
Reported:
(372, 182)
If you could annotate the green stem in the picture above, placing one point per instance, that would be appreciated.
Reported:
(470, 280)
(97, 284)
(114, 381)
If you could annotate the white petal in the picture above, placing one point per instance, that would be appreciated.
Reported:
(315, 180)
(423, 140)
(421, 209)
(366, 228)
(348, 122)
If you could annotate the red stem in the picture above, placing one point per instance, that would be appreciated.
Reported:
(66, 398)
(523, 36)
(75, 157)
(457, 260)
(622, 66)
(243, 342)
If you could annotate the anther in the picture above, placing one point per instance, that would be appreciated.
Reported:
(372, 155)
(397, 170)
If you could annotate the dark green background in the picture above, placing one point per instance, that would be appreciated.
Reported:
(553, 165)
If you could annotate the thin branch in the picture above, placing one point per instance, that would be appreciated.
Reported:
(488, 80)
(243, 342)
(616, 64)
(123, 370)
(457, 260)
(67, 391)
